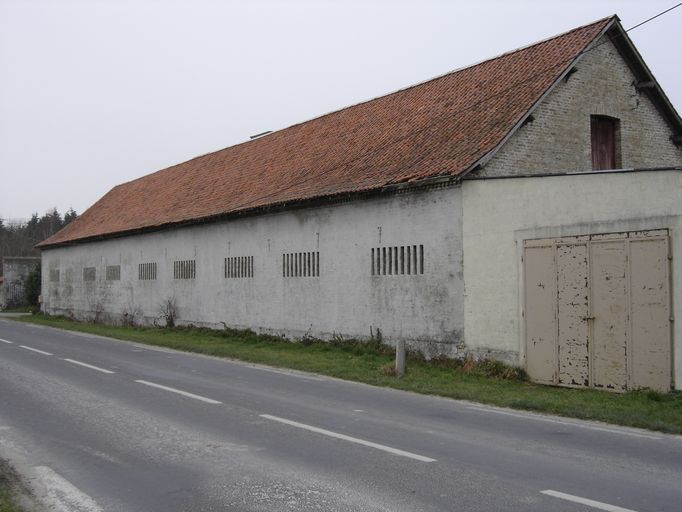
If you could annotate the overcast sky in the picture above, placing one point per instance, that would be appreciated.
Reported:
(94, 93)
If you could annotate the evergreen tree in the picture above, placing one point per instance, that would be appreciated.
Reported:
(18, 238)
(69, 216)
(32, 287)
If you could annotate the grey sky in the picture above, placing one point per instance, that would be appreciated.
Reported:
(94, 93)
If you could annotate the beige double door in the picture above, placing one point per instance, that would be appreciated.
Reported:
(597, 310)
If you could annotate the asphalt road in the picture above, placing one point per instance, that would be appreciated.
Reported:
(99, 424)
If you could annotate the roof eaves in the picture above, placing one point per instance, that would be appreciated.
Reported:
(629, 51)
(329, 199)
(590, 172)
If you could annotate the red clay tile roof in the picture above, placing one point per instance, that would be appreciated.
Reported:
(437, 128)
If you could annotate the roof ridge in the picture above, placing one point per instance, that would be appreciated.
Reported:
(437, 77)
(385, 95)
(346, 150)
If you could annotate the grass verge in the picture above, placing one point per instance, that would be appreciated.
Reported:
(8, 502)
(487, 382)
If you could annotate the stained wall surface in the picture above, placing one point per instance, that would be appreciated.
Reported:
(500, 214)
(302, 272)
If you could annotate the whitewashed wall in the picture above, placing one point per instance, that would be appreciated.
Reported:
(425, 310)
(500, 213)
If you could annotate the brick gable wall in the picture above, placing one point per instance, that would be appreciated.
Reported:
(558, 139)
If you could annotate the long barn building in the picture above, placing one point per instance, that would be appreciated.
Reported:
(526, 208)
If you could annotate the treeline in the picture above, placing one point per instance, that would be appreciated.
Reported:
(18, 238)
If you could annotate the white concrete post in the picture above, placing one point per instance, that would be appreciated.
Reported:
(400, 358)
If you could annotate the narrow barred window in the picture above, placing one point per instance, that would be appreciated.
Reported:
(89, 273)
(238, 267)
(397, 260)
(146, 271)
(301, 264)
(113, 273)
(185, 269)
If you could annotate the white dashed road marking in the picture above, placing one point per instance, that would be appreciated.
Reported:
(584, 501)
(36, 350)
(7, 341)
(86, 365)
(288, 374)
(350, 439)
(179, 392)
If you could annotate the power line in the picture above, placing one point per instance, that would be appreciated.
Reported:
(632, 28)
(654, 17)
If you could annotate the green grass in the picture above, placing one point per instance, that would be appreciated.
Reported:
(489, 383)
(6, 502)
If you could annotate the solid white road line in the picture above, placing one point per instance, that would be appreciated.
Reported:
(60, 495)
(89, 366)
(567, 423)
(585, 501)
(288, 374)
(344, 437)
(157, 349)
(36, 350)
(179, 392)
(7, 341)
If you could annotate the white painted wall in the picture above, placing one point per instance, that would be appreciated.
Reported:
(500, 213)
(345, 300)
